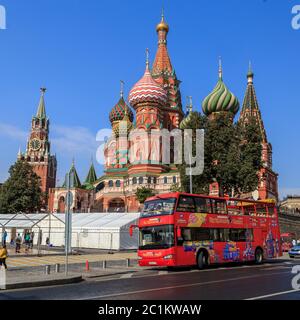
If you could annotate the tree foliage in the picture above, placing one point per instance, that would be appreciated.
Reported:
(143, 193)
(232, 155)
(21, 192)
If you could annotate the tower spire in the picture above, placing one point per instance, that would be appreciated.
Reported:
(41, 112)
(220, 68)
(147, 58)
(122, 89)
(250, 74)
(190, 104)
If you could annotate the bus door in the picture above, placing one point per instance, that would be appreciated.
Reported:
(185, 249)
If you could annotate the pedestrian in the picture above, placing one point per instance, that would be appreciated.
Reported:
(27, 240)
(4, 237)
(3, 256)
(31, 239)
(294, 242)
(18, 243)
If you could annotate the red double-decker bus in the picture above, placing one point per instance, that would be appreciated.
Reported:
(180, 229)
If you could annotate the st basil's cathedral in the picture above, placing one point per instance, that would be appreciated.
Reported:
(155, 104)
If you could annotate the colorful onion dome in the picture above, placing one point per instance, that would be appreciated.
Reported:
(147, 90)
(221, 99)
(123, 127)
(118, 111)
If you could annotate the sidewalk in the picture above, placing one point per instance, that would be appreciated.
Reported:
(37, 277)
(34, 261)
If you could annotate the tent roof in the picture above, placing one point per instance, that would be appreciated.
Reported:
(100, 220)
(21, 220)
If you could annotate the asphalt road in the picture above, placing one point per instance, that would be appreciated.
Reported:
(268, 281)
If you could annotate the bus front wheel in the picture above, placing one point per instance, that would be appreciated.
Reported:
(202, 260)
(259, 256)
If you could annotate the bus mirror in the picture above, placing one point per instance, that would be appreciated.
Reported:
(131, 229)
(179, 233)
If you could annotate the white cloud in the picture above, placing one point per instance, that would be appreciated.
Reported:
(13, 132)
(75, 140)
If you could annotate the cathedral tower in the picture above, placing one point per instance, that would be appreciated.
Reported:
(268, 184)
(37, 152)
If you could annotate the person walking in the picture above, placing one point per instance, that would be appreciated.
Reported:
(31, 239)
(18, 243)
(27, 240)
(4, 237)
(3, 256)
(294, 242)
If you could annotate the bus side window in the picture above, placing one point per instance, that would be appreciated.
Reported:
(224, 235)
(202, 205)
(218, 206)
(186, 234)
(186, 204)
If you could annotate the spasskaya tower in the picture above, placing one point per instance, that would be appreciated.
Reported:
(37, 152)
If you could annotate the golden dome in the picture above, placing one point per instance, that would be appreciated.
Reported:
(162, 26)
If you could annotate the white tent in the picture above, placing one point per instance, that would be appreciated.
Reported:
(18, 223)
(103, 230)
(108, 231)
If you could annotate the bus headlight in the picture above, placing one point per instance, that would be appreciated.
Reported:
(168, 257)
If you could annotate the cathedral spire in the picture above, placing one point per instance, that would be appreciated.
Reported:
(250, 106)
(41, 112)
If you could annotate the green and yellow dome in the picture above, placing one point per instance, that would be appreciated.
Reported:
(221, 99)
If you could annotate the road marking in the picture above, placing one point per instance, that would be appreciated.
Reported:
(162, 272)
(273, 294)
(126, 276)
(286, 262)
(179, 286)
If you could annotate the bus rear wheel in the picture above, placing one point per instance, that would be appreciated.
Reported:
(259, 256)
(202, 260)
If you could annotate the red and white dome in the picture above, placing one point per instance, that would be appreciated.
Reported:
(147, 90)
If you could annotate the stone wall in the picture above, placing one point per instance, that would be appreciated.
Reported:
(289, 223)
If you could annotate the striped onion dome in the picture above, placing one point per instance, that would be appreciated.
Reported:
(147, 90)
(119, 110)
(221, 99)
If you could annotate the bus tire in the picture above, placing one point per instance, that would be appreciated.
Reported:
(202, 260)
(259, 256)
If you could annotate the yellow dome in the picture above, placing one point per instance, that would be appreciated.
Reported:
(162, 26)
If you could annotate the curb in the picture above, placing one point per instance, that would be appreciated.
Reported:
(43, 283)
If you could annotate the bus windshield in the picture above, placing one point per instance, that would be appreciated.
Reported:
(159, 207)
(158, 237)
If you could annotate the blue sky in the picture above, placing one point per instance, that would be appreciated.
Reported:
(81, 49)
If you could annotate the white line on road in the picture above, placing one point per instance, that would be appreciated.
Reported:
(127, 276)
(273, 294)
(162, 272)
(180, 286)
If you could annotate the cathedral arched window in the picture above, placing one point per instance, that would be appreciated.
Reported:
(134, 180)
(118, 183)
(154, 180)
(149, 180)
(141, 180)
(174, 179)
(165, 180)
(110, 183)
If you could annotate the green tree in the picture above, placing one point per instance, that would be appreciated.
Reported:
(143, 193)
(232, 154)
(21, 192)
